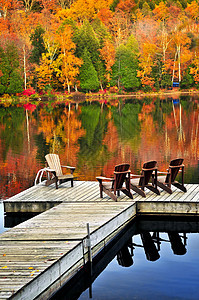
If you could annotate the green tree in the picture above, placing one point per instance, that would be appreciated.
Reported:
(38, 45)
(10, 79)
(86, 38)
(146, 10)
(132, 44)
(187, 80)
(166, 81)
(16, 83)
(124, 71)
(88, 75)
(100, 31)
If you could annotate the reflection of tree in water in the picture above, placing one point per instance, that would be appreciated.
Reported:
(127, 123)
(161, 108)
(52, 137)
(42, 147)
(11, 132)
(178, 124)
(92, 150)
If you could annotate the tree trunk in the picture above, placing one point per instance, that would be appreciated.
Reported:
(179, 63)
(68, 86)
(24, 65)
(174, 64)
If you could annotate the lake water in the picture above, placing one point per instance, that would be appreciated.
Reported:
(94, 136)
(165, 270)
(171, 277)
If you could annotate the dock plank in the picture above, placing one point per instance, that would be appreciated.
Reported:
(39, 251)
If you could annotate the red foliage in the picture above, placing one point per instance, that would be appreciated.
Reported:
(29, 92)
(29, 106)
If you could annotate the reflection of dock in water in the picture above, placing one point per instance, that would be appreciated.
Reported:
(47, 250)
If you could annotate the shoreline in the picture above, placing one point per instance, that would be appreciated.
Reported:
(78, 96)
(138, 94)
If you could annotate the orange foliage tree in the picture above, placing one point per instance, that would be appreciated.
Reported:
(108, 55)
(67, 64)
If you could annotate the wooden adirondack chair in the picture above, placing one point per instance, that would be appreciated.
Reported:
(55, 173)
(139, 182)
(166, 181)
(112, 185)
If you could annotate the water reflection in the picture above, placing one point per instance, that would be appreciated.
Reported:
(124, 249)
(95, 136)
(124, 256)
(150, 249)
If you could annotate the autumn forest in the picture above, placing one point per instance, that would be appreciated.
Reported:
(101, 45)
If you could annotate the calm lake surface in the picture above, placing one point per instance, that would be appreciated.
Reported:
(94, 136)
(144, 265)
(170, 277)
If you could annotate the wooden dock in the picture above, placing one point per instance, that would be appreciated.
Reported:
(39, 255)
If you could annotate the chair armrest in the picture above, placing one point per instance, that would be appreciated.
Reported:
(136, 176)
(50, 170)
(72, 169)
(180, 166)
(159, 172)
(100, 178)
(69, 167)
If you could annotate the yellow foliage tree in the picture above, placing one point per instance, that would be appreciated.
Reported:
(146, 63)
(88, 9)
(67, 64)
(44, 72)
(193, 10)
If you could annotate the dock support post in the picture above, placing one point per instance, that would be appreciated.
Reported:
(89, 259)
(89, 244)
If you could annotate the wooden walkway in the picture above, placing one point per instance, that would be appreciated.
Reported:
(39, 198)
(38, 255)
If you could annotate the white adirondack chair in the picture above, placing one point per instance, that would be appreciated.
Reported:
(55, 173)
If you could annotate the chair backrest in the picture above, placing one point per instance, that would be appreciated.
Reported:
(147, 170)
(53, 162)
(176, 165)
(120, 178)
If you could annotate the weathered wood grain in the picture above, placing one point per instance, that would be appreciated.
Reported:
(37, 252)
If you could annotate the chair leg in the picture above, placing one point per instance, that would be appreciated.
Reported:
(128, 193)
(56, 182)
(153, 189)
(101, 189)
(137, 190)
(71, 182)
(180, 186)
(110, 194)
(51, 181)
(164, 187)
